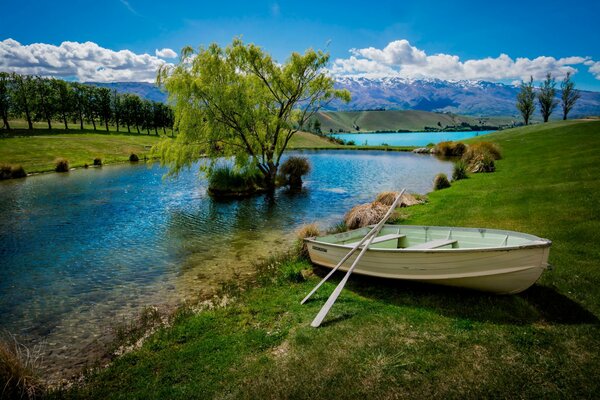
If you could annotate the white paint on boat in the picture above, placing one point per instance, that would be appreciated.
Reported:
(492, 260)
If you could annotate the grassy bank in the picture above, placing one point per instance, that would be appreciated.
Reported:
(36, 150)
(404, 340)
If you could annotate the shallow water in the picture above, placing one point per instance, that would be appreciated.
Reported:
(406, 138)
(83, 251)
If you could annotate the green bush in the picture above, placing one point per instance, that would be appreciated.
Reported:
(227, 181)
(134, 158)
(62, 165)
(97, 161)
(459, 171)
(441, 182)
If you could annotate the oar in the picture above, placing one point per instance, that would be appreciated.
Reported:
(347, 256)
(333, 297)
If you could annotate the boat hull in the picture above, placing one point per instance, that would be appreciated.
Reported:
(496, 270)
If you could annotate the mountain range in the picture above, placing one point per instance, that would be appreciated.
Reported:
(475, 98)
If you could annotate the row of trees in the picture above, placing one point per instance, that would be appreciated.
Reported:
(35, 98)
(547, 97)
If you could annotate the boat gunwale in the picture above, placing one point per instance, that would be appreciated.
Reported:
(536, 241)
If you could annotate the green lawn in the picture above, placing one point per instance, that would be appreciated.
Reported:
(405, 340)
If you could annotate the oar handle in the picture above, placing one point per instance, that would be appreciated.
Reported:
(333, 297)
(373, 231)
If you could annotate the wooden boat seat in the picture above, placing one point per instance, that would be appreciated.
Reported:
(432, 244)
(379, 239)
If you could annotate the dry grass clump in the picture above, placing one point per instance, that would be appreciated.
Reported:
(441, 182)
(480, 157)
(306, 231)
(18, 370)
(365, 214)
(387, 199)
(62, 165)
(12, 171)
(293, 169)
(450, 149)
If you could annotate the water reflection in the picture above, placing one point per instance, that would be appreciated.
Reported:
(82, 250)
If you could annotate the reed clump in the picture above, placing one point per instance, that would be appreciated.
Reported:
(19, 365)
(61, 165)
(365, 214)
(441, 182)
(226, 181)
(459, 171)
(97, 161)
(292, 171)
(387, 198)
(481, 157)
(8, 171)
(450, 149)
(306, 231)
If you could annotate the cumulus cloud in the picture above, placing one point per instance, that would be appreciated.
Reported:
(165, 53)
(399, 58)
(83, 61)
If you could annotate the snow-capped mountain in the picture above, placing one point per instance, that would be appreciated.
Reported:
(479, 98)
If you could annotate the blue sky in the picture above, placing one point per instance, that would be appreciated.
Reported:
(465, 30)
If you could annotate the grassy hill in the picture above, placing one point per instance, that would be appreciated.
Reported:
(405, 340)
(390, 120)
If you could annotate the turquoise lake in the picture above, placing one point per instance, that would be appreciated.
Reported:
(84, 251)
(406, 138)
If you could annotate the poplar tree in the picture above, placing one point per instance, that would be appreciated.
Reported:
(526, 100)
(569, 95)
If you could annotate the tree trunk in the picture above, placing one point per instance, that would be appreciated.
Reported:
(164, 130)
(49, 123)
(106, 124)
(65, 121)
(93, 123)
(29, 124)
(5, 120)
(117, 121)
(80, 120)
(138, 129)
(156, 131)
(128, 128)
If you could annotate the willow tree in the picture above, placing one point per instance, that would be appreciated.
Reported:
(238, 102)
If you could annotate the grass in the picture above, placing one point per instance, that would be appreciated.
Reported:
(403, 340)
(392, 120)
(37, 150)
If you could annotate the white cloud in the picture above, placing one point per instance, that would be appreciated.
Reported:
(595, 69)
(165, 53)
(84, 61)
(399, 58)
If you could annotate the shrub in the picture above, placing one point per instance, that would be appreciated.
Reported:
(482, 163)
(12, 171)
(226, 181)
(450, 149)
(97, 161)
(459, 171)
(293, 169)
(62, 165)
(351, 143)
(441, 182)
(305, 231)
(134, 158)
(365, 214)
(18, 370)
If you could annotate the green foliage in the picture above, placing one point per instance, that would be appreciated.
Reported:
(459, 170)
(441, 182)
(61, 165)
(569, 95)
(238, 102)
(233, 181)
(546, 97)
(526, 100)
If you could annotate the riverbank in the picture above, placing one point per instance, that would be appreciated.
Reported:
(396, 339)
(37, 150)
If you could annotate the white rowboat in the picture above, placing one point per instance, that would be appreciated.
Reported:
(498, 261)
